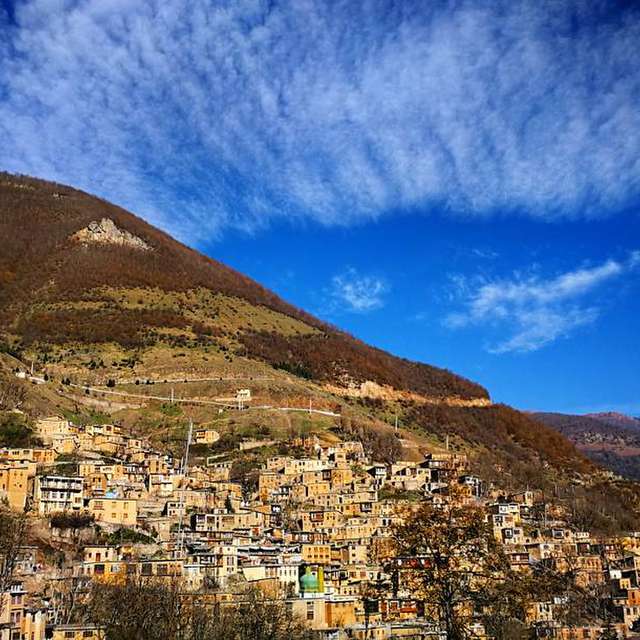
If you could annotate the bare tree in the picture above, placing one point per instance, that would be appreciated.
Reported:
(448, 557)
(152, 609)
(68, 598)
(13, 527)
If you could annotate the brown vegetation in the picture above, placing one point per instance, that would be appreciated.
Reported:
(381, 445)
(123, 326)
(330, 357)
(40, 259)
(13, 392)
(499, 427)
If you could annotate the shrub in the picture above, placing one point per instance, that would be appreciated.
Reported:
(15, 431)
(126, 535)
(73, 520)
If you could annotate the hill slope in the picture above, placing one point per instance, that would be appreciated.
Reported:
(79, 269)
(610, 439)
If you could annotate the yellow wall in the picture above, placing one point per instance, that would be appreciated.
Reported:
(316, 553)
(14, 483)
(114, 510)
(75, 633)
(340, 613)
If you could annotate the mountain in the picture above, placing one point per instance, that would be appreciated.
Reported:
(78, 269)
(94, 296)
(617, 420)
(609, 439)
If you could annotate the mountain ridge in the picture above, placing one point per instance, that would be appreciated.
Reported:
(609, 439)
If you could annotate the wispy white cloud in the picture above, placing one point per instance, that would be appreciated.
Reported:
(484, 254)
(356, 292)
(208, 115)
(532, 311)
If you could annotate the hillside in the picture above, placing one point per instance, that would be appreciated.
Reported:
(616, 419)
(104, 305)
(609, 439)
(81, 270)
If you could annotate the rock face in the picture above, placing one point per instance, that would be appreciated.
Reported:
(371, 389)
(106, 232)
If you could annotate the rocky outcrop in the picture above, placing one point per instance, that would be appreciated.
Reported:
(105, 231)
(371, 389)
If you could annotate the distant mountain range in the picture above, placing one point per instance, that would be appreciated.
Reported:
(610, 439)
(616, 419)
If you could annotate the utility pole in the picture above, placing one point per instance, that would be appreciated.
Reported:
(396, 425)
(171, 395)
(185, 462)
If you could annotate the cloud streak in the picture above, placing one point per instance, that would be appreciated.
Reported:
(531, 311)
(232, 114)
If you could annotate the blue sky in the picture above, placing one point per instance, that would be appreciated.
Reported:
(455, 181)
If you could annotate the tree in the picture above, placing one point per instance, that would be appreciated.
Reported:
(245, 471)
(447, 557)
(150, 609)
(503, 604)
(13, 527)
(379, 443)
(608, 631)
(259, 617)
(135, 609)
(67, 597)
(71, 520)
(15, 431)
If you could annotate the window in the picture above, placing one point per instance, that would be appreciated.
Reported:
(310, 611)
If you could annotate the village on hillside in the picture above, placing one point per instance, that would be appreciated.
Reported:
(318, 530)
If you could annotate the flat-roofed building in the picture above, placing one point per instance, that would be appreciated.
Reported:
(120, 511)
(14, 483)
(58, 493)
